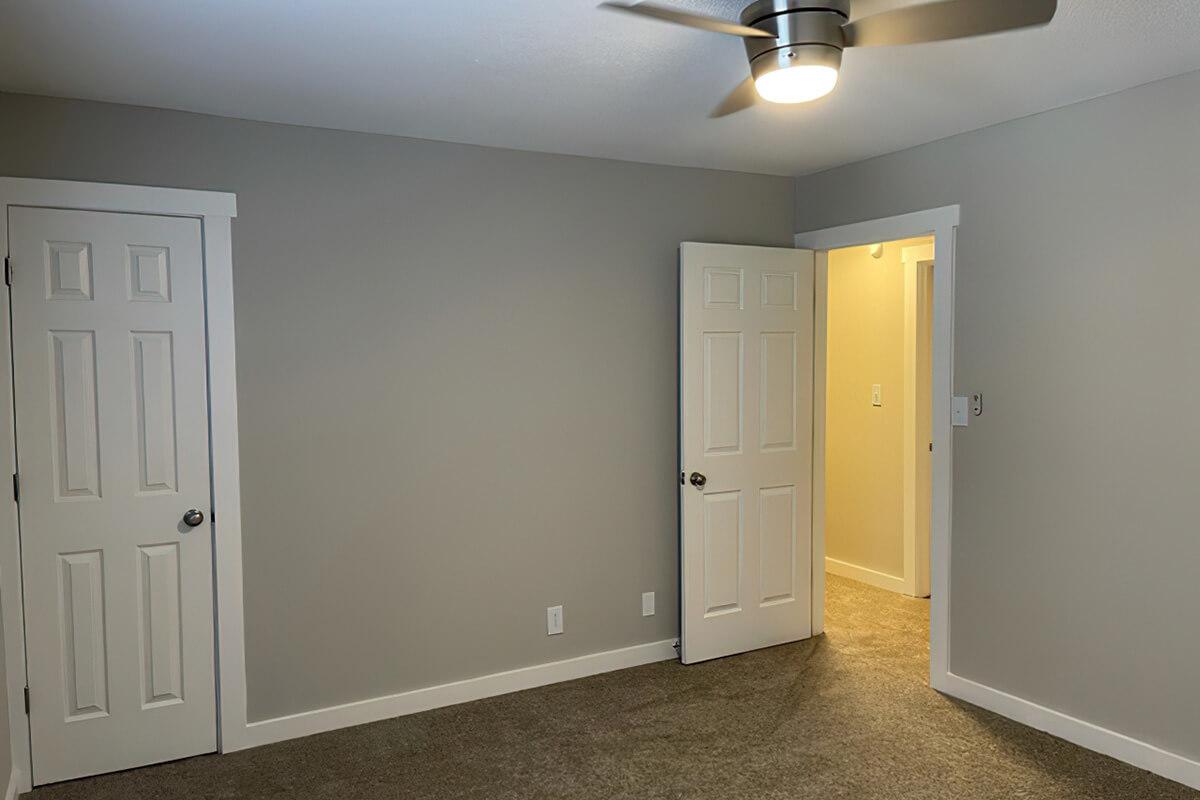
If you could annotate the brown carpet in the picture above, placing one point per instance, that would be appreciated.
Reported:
(847, 715)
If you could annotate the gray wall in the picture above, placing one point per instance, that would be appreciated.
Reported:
(456, 384)
(1075, 541)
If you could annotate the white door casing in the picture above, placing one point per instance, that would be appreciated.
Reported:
(917, 263)
(113, 447)
(746, 405)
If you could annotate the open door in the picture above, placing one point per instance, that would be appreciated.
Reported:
(746, 365)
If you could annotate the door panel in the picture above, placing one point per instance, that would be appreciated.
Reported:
(777, 391)
(722, 393)
(746, 350)
(112, 443)
(154, 404)
(777, 554)
(84, 652)
(722, 552)
(75, 434)
(158, 595)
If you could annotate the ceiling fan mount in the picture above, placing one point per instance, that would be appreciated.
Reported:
(806, 34)
(795, 46)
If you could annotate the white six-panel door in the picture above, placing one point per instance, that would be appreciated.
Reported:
(112, 446)
(746, 350)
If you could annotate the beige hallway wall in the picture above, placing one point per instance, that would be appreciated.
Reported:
(864, 466)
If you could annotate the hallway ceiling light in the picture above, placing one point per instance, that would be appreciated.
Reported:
(795, 46)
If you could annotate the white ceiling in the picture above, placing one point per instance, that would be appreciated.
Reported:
(560, 76)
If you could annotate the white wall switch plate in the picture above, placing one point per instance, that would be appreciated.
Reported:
(959, 411)
(876, 395)
(647, 604)
(554, 620)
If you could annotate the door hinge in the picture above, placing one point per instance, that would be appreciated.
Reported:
(8, 270)
(26, 701)
(682, 481)
(931, 447)
(16, 488)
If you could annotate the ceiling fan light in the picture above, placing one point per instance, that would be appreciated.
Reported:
(797, 73)
(799, 84)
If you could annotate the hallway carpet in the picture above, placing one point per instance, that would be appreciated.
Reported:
(846, 715)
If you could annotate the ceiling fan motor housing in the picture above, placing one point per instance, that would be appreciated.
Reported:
(807, 32)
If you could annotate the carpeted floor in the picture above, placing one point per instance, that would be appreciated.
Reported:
(847, 715)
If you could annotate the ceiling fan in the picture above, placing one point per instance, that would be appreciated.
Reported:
(795, 46)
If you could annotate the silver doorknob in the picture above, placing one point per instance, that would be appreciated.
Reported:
(193, 517)
(698, 480)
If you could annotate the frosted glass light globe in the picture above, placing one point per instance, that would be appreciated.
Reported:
(799, 84)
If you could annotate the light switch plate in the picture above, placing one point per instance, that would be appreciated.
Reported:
(876, 395)
(960, 411)
(647, 604)
(554, 620)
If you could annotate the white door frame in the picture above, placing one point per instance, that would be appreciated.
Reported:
(215, 210)
(916, 534)
(942, 223)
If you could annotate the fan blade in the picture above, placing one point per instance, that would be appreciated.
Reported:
(741, 98)
(949, 19)
(706, 23)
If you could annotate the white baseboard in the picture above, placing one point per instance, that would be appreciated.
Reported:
(864, 575)
(1085, 734)
(448, 694)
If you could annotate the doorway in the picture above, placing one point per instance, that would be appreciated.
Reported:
(119, 608)
(942, 225)
(877, 448)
